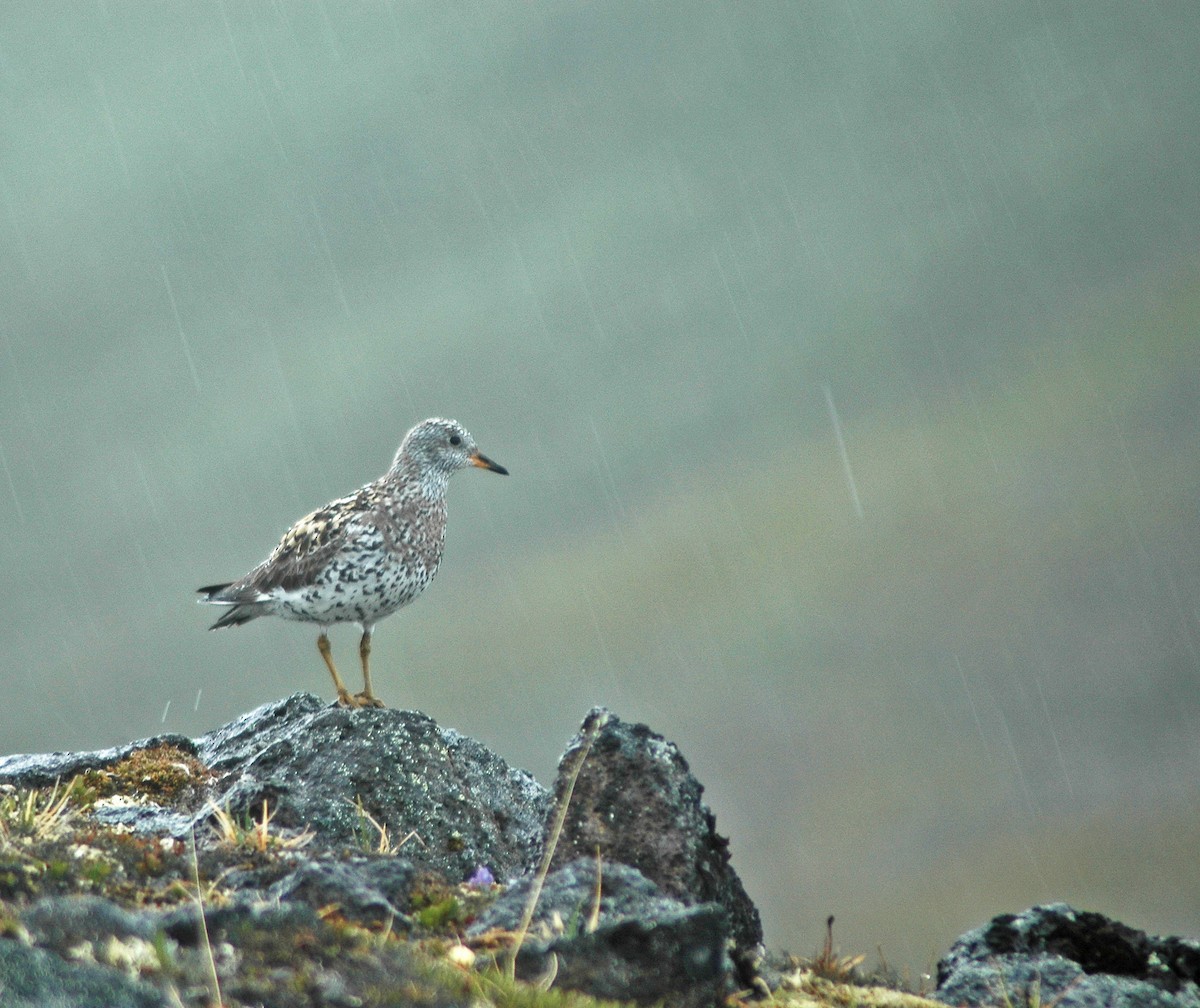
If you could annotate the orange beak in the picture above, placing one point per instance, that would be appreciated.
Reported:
(481, 460)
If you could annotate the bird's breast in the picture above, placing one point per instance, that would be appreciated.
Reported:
(414, 530)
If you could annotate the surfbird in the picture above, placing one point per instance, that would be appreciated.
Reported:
(361, 557)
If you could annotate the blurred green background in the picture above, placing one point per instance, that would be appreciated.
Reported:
(845, 356)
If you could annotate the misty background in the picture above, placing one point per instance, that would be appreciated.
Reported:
(844, 356)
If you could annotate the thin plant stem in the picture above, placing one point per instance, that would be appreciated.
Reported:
(591, 730)
(213, 980)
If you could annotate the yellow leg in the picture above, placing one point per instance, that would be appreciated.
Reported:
(367, 697)
(344, 697)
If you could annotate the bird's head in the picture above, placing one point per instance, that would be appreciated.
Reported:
(438, 448)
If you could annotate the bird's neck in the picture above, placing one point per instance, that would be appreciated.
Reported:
(406, 472)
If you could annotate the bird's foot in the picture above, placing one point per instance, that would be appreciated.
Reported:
(365, 699)
(345, 699)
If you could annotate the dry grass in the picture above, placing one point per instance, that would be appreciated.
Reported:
(36, 813)
(254, 834)
(830, 964)
(384, 843)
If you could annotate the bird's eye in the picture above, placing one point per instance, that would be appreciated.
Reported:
(455, 440)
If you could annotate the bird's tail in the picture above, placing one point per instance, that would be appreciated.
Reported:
(240, 610)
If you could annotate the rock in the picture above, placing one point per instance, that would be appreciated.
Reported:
(365, 890)
(182, 923)
(35, 978)
(1053, 954)
(288, 957)
(446, 801)
(392, 808)
(44, 769)
(63, 923)
(645, 946)
(150, 818)
(637, 801)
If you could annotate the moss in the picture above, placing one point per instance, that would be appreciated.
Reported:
(11, 926)
(163, 774)
(96, 871)
(437, 907)
(439, 916)
(802, 988)
(493, 987)
(19, 879)
(57, 870)
(81, 794)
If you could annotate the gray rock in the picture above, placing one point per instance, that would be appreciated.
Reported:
(637, 801)
(35, 978)
(149, 819)
(645, 947)
(61, 923)
(231, 746)
(1054, 954)
(367, 891)
(43, 769)
(670, 899)
(463, 805)
(285, 956)
(182, 923)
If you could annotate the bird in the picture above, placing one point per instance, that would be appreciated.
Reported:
(363, 556)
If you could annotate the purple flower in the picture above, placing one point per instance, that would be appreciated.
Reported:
(481, 876)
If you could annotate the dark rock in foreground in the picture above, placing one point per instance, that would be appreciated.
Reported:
(365, 890)
(1055, 955)
(35, 978)
(637, 944)
(63, 923)
(638, 803)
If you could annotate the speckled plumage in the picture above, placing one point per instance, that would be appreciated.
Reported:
(362, 556)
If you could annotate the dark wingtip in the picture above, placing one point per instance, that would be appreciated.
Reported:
(213, 589)
(235, 616)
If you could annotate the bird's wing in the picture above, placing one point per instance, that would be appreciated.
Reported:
(309, 544)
